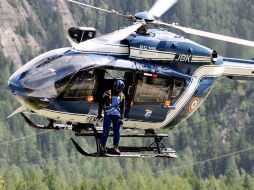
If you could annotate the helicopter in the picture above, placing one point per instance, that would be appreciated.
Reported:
(167, 78)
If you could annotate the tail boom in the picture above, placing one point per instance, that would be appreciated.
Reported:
(238, 69)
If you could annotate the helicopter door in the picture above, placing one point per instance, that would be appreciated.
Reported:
(105, 79)
(151, 94)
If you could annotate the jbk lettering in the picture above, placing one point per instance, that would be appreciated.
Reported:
(183, 58)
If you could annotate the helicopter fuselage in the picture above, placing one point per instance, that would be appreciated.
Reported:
(167, 78)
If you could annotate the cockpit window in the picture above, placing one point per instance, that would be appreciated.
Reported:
(47, 74)
(42, 80)
(52, 71)
(151, 89)
(82, 86)
(62, 83)
(28, 67)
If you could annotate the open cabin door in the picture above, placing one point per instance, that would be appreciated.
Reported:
(105, 81)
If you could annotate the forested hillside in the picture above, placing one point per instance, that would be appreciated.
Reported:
(215, 146)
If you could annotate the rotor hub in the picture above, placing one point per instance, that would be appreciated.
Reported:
(145, 16)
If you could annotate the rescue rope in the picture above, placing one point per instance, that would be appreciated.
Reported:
(23, 138)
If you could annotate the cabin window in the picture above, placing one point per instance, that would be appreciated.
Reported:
(176, 87)
(114, 74)
(82, 86)
(157, 89)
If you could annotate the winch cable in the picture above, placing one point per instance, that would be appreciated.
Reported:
(23, 138)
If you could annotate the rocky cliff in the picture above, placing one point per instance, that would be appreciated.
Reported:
(16, 20)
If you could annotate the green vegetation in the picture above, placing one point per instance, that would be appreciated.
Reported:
(48, 160)
(22, 29)
(26, 54)
(36, 179)
(51, 22)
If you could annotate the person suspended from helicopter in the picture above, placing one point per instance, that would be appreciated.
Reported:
(113, 104)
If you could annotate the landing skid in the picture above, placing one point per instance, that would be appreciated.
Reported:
(123, 154)
(155, 149)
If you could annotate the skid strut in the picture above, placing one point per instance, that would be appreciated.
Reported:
(155, 149)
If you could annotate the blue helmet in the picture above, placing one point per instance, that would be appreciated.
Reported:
(119, 85)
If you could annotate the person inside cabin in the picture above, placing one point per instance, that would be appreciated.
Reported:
(113, 104)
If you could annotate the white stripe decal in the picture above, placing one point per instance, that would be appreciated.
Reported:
(95, 46)
(158, 59)
(139, 53)
(239, 69)
(63, 116)
(104, 53)
(202, 56)
(82, 118)
(144, 54)
(200, 60)
(154, 51)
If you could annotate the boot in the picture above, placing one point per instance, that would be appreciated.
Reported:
(116, 150)
(103, 150)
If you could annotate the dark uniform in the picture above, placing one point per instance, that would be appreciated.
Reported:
(113, 103)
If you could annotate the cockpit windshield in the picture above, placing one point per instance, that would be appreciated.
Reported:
(41, 79)
(46, 75)
(37, 61)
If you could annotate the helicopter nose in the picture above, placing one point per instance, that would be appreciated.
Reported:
(22, 94)
(14, 85)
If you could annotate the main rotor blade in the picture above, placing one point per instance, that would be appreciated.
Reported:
(211, 35)
(161, 6)
(102, 41)
(100, 9)
(121, 34)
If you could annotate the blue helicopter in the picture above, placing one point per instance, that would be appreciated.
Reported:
(167, 77)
